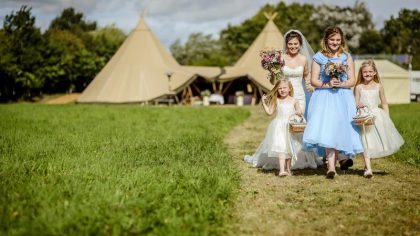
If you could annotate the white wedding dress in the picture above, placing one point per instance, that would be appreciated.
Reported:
(295, 75)
(305, 159)
(382, 138)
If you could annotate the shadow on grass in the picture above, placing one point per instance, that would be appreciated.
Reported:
(323, 171)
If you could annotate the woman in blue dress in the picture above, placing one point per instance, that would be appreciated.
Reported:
(332, 107)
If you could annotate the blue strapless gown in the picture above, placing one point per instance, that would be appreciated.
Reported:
(330, 115)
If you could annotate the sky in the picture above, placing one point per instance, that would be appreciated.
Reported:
(177, 19)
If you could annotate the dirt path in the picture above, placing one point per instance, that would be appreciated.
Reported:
(308, 204)
(64, 99)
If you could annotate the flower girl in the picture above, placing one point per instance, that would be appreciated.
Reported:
(275, 150)
(382, 138)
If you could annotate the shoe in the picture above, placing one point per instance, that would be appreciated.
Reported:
(331, 174)
(368, 174)
(345, 164)
(283, 174)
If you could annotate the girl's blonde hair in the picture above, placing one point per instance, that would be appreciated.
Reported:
(364, 64)
(328, 33)
(274, 93)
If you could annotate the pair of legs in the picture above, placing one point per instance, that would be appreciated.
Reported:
(285, 162)
(332, 156)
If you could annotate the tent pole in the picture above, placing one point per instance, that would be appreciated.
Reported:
(197, 89)
(254, 96)
(220, 87)
(227, 86)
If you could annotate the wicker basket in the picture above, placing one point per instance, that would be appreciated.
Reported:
(363, 121)
(297, 123)
(296, 128)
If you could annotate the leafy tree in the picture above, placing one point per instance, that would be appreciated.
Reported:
(199, 50)
(74, 22)
(21, 56)
(354, 21)
(402, 35)
(107, 40)
(235, 40)
(371, 42)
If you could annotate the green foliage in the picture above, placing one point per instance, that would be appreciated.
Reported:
(101, 170)
(21, 56)
(402, 35)
(72, 21)
(371, 42)
(199, 50)
(236, 39)
(107, 41)
(405, 118)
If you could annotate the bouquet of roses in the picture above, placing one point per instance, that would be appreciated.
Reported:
(335, 70)
(272, 60)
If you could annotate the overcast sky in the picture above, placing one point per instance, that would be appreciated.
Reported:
(172, 19)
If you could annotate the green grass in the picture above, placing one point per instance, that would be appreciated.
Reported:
(101, 170)
(407, 120)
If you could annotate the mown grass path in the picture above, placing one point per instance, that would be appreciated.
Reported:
(308, 204)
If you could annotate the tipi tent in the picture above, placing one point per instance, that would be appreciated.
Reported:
(396, 80)
(249, 64)
(141, 70)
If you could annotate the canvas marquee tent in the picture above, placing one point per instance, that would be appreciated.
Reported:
(249, 64)
(142, 70)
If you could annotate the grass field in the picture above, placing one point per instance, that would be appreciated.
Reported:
(407, 120)
(76, 169)
(103, 170)
(308, 204)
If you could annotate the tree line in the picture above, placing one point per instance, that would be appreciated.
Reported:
(71, 51)
(64, 58)
(399, 35)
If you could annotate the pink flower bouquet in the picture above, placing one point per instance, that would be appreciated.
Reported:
(272, 60)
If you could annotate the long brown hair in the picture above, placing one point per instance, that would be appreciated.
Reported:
(360, 74)
(291, 35)
(328, 33)
(274, 93)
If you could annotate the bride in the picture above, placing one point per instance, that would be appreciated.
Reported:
(298, 59)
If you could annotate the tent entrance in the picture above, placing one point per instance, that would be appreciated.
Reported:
(243, 86)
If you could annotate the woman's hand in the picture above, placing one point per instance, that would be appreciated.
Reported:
(309, 86)
(335, 83)
(360, 105)
(299, 113)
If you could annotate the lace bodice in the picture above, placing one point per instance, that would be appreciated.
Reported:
(285, 109)
(370, 97)
(293, 73)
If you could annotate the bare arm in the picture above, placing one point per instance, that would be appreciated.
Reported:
(298, 110)
(307, 77)
(384, 103)
(357, 97)
(315, 82)
(266, 106)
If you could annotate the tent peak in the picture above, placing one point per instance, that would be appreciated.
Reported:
(141, 25)
(270, 15)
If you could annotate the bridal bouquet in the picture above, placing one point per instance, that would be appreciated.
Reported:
(335, 69)
(272, 60)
